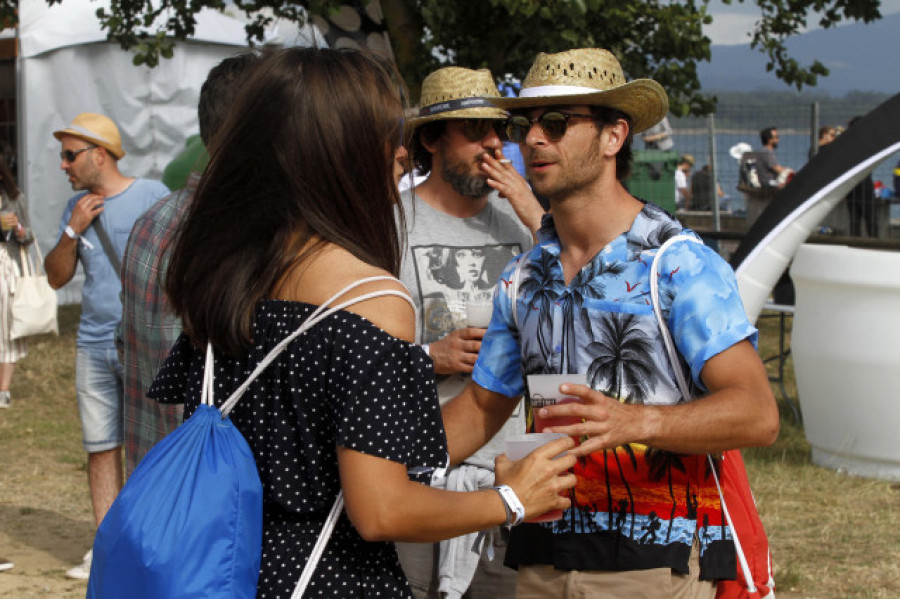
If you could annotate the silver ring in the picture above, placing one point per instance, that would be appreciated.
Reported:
(505, 161)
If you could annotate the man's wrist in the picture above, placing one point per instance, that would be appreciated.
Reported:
(70, 233)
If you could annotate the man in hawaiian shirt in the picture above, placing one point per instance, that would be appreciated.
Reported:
(645, 519)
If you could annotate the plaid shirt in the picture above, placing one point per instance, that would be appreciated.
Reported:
(148, 327)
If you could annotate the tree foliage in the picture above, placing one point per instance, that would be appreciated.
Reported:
(660, 39)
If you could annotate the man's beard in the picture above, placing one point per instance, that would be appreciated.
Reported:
(463, 183)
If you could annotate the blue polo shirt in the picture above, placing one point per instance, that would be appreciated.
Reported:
(101, 308)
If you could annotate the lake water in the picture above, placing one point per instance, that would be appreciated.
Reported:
(793, 152)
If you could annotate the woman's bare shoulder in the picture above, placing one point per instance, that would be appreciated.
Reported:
(334, 269)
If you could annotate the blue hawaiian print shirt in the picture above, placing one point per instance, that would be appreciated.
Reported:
(634, 507)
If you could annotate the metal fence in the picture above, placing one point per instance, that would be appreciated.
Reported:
(709, 139)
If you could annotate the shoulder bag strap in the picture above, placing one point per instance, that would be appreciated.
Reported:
(685, 391)
(100, 230)
(514, 288)
(320, 313)
(27, 265)
(657, 311)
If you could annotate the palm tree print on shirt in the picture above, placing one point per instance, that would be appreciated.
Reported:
(619, 369)
(543, 284)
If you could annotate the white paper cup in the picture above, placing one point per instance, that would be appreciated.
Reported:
(478, 314)
(519, 446)
(546, 386)
(543, 390)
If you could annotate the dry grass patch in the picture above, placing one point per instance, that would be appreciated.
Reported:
(832, 535)
(45, 514)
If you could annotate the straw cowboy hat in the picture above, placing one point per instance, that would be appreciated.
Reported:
(593, 77)
(457, 93)
(95, 129)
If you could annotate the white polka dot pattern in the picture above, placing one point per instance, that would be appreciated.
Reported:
(343, 383)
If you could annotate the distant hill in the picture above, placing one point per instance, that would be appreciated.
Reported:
(860, 57)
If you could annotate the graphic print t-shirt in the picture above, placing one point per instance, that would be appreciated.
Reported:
(450, 261)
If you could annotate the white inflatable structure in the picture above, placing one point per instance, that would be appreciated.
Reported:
(846, 331)
(797, 210)
(846, 347)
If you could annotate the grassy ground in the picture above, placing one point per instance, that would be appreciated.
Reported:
(832, 535)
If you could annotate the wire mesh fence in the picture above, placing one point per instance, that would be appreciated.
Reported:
(711, 140)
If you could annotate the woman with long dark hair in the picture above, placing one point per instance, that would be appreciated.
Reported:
(298, 202)
(14, 233)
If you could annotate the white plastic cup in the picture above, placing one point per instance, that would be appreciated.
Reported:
(519, 446)
(478, 313)
(543, 390)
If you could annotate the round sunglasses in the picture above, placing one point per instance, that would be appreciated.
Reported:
(553, 124)
(476, 129)
(72, 155)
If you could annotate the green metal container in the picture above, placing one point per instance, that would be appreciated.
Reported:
(653, 177)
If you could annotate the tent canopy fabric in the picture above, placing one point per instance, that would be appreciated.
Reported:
(66, 67)
(44, 28)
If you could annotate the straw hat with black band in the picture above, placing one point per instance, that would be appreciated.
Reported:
(457, 93)
(95, 129)
(592, 77)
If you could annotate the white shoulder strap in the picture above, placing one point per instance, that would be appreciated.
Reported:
(685, 392)
(27, 266)
(514, 288)
(30, 268)
(657, 311)
(320, 313)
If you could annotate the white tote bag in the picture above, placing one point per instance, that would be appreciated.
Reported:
(33, 300)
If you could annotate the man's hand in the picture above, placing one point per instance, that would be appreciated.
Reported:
(457, 352)
(605, 422)
(60, 263)
(85, 211)
(504, 177)
(737, 411)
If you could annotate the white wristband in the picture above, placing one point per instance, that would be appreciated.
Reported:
(513, 506)
(70, 233)
(427, 349)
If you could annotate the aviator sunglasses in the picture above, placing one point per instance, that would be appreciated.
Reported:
(72, 155)
(476, 129)
(553, 124)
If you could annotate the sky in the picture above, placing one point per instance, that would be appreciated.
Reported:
(732, 23)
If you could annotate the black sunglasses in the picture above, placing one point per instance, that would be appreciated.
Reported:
(71, 155)
(553, 124)
(476, 129)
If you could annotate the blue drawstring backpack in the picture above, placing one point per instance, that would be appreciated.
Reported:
(188, 523)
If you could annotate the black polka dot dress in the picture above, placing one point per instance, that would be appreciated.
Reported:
(345, 382)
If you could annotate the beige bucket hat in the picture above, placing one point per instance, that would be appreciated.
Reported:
(457, 93)
(594, 77)
(96, 129)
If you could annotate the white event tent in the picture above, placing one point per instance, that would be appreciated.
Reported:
(66, 66)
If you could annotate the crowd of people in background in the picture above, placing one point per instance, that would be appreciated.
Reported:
(290, 195)
(761, 171)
